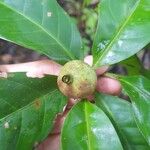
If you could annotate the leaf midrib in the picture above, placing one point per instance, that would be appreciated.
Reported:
(108, 110)
(87, 126)
(143, 93)
(136, 119)
(49, 34)
(115, 37)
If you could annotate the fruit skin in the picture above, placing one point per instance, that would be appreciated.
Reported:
(77, 79)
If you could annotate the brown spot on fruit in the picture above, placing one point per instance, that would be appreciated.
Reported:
(77, 79)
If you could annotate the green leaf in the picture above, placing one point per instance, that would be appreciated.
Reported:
(28, 109)
(132, 65)
(88, 128)
(121, 115)
(146, 73)
(135, 67)
(123, 30)
(42, 26)
(138, 89)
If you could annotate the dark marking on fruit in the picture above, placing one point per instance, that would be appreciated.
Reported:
(67, 79)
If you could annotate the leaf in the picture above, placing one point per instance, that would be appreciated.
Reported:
(123, 30)
(42, 26)
(28, 109)
(121, 115)
(138, 89)
(146, 73)
(135, 67)
(87, 128)
(132, 65)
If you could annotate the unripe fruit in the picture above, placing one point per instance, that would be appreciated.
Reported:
(77, 79)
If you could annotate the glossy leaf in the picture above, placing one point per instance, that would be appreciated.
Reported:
(123, 30)
(28, 109)
(42, 26)
(138, 89)
(121, 115)
(88, 128)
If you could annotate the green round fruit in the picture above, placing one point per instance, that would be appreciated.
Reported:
(77, 79)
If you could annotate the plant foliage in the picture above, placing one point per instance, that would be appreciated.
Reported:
(29, 106)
